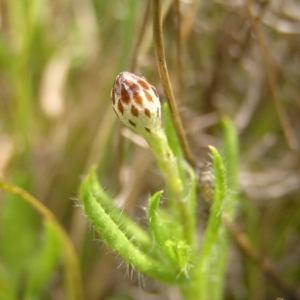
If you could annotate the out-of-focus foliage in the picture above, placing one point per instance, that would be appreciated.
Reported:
(58, 60)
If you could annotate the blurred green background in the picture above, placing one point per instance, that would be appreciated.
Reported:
(58, 61)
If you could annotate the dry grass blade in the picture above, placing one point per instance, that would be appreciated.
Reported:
(164, 76)
(139, 38)
(260, 260)
(287, 128)
(178, 21)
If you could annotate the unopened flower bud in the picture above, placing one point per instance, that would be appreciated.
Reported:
(136, 103)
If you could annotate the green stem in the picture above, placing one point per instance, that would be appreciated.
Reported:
(168, 165)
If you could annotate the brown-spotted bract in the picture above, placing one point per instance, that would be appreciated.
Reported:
(136, 103)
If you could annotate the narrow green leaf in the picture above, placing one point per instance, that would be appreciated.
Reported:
(210, 286)
(155, 222)
(229, 205)
(164, 230)
(191, 203)
(117, 240)
(231, 149)
(213, 260)
(133, 232)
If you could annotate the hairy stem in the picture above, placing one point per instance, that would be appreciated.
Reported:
(168, 165)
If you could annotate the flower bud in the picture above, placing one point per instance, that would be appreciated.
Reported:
(136, 103)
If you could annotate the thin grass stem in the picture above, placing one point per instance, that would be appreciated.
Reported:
(164, 76)
(287, 127)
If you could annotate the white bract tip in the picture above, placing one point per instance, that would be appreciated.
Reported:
(136, 103)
